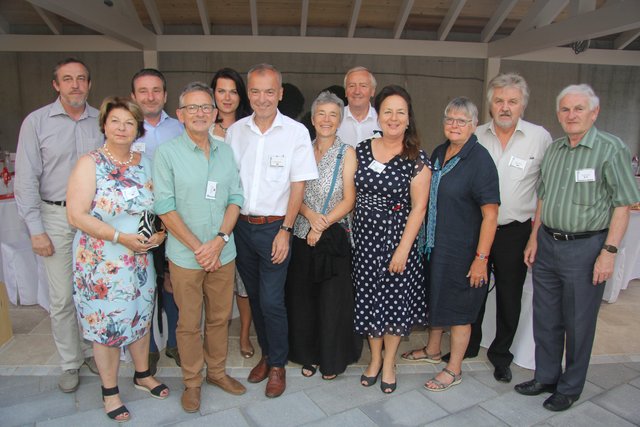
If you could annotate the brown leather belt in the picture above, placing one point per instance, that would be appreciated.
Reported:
(253, 219)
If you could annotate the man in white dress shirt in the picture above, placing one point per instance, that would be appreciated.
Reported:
(360, 118)
(275, 158)
(517, 147)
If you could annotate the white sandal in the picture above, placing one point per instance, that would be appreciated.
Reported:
(457, 379)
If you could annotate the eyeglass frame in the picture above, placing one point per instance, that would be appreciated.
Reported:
(459, 122)
(197, 108)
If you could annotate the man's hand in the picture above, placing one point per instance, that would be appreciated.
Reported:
(530, 251)
(42, 245)
(280, 247)
(603, 268)
(208, 254)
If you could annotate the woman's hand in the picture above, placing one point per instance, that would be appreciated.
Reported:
(313, 237)
(318, 222)
(398, 261)
(478, 273)
(135, 242)
(157, 238)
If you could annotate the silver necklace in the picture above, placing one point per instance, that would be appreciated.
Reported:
(116, 161)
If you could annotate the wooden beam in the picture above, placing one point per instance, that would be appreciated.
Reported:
(63, 43)
(50, 19)
(542, 13)
(599, 23)
(401, 21)
(304, 15)
(253, 9)
(127, 8)
(357, 4)
(498, 17)
(4, 25)
(450, 18)
(624, 39)
(576, 7)
(154, 15)
(103, 19)
(204, 17)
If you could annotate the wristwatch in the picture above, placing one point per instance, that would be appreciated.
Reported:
(610, 248)
(285, 228)
(224, 236)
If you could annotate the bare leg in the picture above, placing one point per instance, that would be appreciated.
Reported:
(245, 324)
(140, 354)
(459, 341)
(376, 357)
(391, 344)
(434, 340)
(108, 362)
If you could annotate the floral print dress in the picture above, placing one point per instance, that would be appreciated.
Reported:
(114, 287)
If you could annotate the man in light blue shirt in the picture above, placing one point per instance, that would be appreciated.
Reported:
(149, 90)
(198, 197)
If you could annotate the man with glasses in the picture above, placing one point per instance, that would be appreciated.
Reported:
(51, 141)
(360, 118)
(517, 148)
(198, 197)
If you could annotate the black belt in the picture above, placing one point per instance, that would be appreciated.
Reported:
(62, 203)
(561, 235)
(514, 223)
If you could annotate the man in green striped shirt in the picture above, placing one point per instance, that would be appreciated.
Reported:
(584, 195)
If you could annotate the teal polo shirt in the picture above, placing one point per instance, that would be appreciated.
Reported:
(180, 177)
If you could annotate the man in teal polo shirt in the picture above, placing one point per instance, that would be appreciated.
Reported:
(198, 197)
(584, 195)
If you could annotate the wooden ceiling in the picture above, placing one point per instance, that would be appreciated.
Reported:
(487, 22)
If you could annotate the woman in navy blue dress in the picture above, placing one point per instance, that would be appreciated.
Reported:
(462, 221)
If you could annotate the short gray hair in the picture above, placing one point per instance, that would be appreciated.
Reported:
(582, 89)
(194, 87)
(374, 83)
(463, 104)
(509, 80)
(261, 68)
(327, 97)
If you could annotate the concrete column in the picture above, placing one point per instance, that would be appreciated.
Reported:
(150, 58)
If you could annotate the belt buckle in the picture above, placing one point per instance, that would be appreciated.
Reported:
(559, 236)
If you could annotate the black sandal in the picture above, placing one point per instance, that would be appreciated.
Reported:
(156, 392)
(309, 368)
(118, 411)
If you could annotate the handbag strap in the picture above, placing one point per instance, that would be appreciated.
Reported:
(333, 180)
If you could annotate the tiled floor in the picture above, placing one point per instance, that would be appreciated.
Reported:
(29, 394)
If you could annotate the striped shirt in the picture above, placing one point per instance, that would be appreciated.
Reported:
(580, 186)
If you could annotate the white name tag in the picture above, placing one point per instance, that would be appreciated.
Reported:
(212, 186)
(138, 147)
(585, 175)
(376, 166)
(130, 193)
(516, 162)
(277, 161)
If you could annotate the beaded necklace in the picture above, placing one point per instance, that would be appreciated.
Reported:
(116, 161)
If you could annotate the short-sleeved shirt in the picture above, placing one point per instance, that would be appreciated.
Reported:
(518, 167)
(269, 162)
(352, 132)
(581, 185)
(166, 129)
(181, 175)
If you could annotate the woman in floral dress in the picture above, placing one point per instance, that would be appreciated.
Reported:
(114, 280)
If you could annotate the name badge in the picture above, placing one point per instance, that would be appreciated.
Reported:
(516, 162)
(376, 166)
(138, 147)
(130, 193)
(212, 186)
(585, 175)
(277, 161)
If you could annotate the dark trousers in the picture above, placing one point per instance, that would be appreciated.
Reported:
(565, 309)
(264, 282)
(510, 271)
(164, 300)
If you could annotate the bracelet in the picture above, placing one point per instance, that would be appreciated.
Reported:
(115, 237)
(482, 257)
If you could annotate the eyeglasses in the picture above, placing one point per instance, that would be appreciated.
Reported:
(449, 121)
(193, 108)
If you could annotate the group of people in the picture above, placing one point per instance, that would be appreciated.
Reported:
(358, 233)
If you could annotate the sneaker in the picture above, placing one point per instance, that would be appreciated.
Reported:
(90, 362)
(69, 381)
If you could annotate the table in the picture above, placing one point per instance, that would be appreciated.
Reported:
(20, 269)
(627, 266)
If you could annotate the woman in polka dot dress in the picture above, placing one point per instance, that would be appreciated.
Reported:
(392, 187)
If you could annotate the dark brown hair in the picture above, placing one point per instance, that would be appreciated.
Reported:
(411, 143)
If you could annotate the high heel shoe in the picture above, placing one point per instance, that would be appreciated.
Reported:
(118, 411)
(369, 381)
(155, 392)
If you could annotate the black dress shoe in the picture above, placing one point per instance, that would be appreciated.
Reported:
(502, 374)
(534, 388)
(447, 356)
(560, 402)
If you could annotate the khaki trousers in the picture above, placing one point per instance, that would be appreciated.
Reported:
(190, 289)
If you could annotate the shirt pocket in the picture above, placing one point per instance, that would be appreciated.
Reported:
(276, 173)
(584, 193)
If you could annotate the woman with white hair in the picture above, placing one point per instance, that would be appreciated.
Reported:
(319, 293)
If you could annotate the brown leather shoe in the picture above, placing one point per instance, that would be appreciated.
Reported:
(191, 399)
(228, 384)
(260, 371)
(277, 382)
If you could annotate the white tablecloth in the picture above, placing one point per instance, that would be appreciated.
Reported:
(627, 265)
(20, 269)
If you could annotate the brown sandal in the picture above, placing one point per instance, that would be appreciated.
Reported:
(429, 358)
